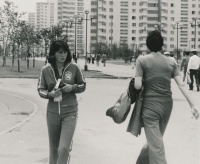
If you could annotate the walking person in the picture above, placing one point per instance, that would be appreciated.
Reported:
(98, 57)
(93, 58)
(192, 69)
(62, 108)
(104, 57)
(155, 71)
(184, 64)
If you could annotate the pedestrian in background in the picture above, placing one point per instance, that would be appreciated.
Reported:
(104, 57)
(89, 57)
(93, 58)
(98, 57)
(154, 71)
(184, 64)
(132, 62)
(192, 69)
(62, 108)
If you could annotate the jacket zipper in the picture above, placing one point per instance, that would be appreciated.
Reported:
(61, 79)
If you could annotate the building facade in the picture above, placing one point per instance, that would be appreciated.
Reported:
(68, 13)
(31, 18)
(46, 14)
(129, 21)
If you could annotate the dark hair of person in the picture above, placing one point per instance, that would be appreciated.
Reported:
(172, 55)
(56, 46)
(187, 53)
(154, 41)
(194, 52)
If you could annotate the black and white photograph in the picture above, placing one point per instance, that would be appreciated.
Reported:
(99, 81)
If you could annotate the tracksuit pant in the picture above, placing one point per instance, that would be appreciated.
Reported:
(61, 129)
(155, 124)
(194, 74)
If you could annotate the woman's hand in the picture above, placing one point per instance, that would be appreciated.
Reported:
(195, 112)
(55, 93)
(67, 88)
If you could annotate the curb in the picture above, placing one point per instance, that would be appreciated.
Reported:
(26, 119)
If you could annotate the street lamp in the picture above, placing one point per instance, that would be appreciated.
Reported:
(159, 27)
(177, 26)
(86, 19)
(196, 23)
(75, 20)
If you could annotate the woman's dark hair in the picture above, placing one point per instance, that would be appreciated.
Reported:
(56, 46)
(154, 41)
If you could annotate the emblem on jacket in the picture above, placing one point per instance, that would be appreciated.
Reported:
(68, 75)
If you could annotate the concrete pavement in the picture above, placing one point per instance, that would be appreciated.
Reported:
(97, 140)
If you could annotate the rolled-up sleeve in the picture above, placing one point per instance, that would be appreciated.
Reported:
(80, 83)
(139, 70)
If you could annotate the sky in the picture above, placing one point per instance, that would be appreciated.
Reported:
(28, 5)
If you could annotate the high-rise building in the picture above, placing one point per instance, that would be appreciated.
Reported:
(67, 9)
(46, 14)
(31, 18)
(129, 21)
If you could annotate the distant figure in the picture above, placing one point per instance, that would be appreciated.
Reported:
(93, 58)
(89, 58)
(74, 57)
(41, 54)
(132, 62)
(98, 57)
(104, 57)
(184, 64)
(170, 56)
(192, 69)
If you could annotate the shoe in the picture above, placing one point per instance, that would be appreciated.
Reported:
(198, 89)
(191, 89)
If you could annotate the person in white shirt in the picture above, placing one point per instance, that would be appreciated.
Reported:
(192, 69)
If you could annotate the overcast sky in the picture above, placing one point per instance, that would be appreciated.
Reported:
(29, 5)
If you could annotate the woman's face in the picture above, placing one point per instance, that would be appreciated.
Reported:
(61, 56)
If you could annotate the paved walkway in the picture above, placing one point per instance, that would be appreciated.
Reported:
(98, 140)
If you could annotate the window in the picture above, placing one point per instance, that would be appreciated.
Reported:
(193, 12)
(111, 2)
(111, 9)
(133, 24)
(133, 31)
(133, 38)
(133, 10)
(133, 17)
(172, 5)
(134, 3)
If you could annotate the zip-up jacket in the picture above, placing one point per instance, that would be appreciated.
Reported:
(71, 75)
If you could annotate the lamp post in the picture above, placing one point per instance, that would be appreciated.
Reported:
(75, 20)
(196, 23)
(159, 27)
(177, 26)
(86, 20)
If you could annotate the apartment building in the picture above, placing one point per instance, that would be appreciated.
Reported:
(70, 10)
(46, 14)
(31, 18)
(193, 13)
(129, 21)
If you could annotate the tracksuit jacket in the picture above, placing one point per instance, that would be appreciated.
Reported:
(71, 75)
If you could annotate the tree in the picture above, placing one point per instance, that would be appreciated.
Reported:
(8, 17)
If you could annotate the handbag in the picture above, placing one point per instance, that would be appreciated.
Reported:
(188, 78)
(119, 111)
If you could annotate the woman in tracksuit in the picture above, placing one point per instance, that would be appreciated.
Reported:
(62, 107)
